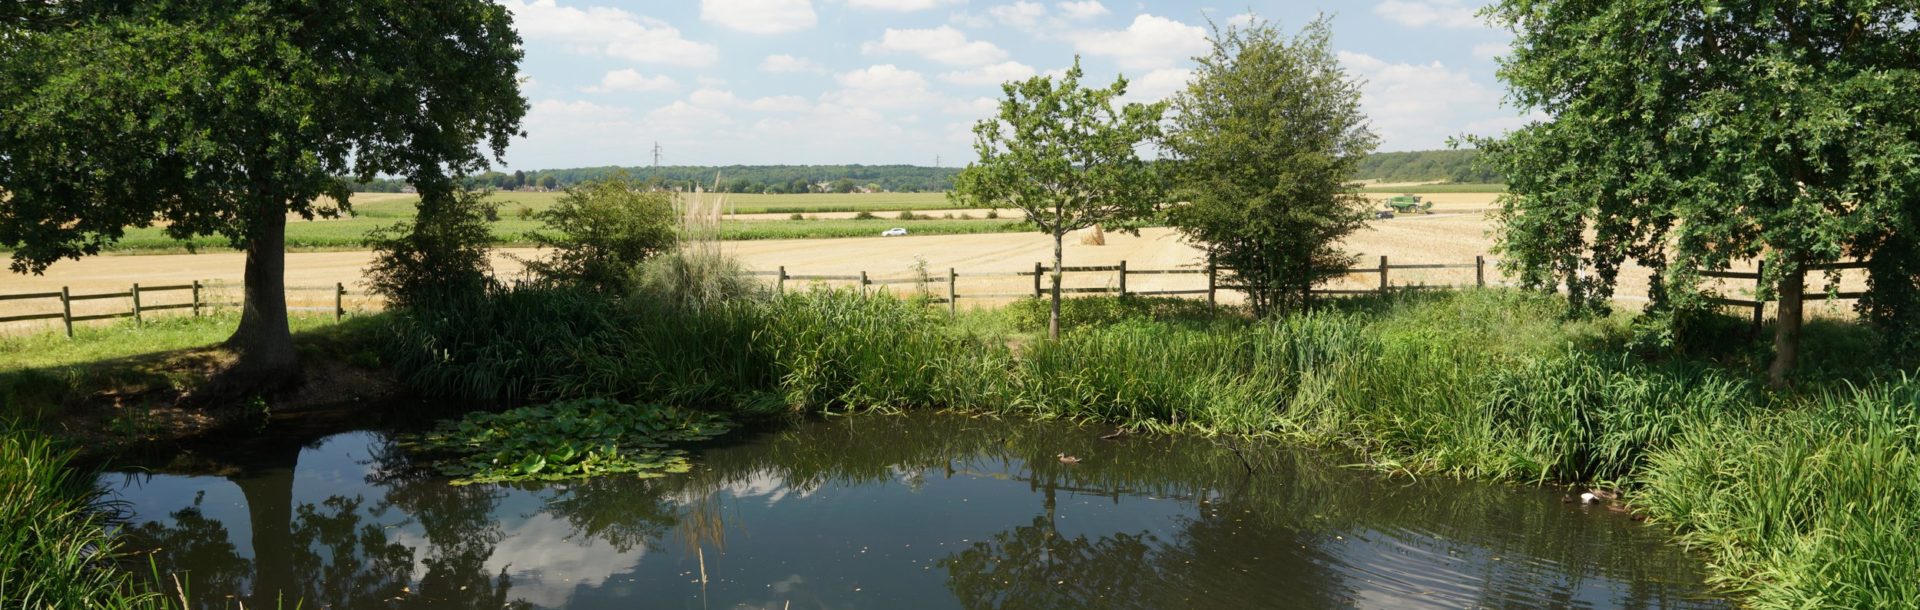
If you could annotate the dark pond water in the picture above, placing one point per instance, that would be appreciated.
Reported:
(921, 511)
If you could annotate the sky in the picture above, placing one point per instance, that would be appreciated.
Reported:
(796, 82)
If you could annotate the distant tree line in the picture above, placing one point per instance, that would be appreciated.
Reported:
(731, 178)
(1427, 166)
(1417, 166)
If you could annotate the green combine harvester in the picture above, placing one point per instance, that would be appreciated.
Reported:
(1409, 204)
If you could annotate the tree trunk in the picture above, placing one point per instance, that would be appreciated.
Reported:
(269, 497)
(267, 361)
(1053, 321)
(1786, 330)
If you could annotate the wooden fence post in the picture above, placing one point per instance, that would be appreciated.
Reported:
(339, 301)
(1123, 278)
(863, 283)
(1759, 303)
(196, 298)
(953, 292)
(1213, 281)
(137, 320)
(1383, 274)
(1036, 280)
(1480, 271)
(780, 285)
(66, 309)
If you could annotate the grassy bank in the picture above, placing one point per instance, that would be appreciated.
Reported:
(1809, 498)
(1804, 499)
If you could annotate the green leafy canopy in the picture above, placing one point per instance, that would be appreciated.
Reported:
(224, 116)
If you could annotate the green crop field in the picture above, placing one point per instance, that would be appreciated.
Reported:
(351, 233)
(511, 204)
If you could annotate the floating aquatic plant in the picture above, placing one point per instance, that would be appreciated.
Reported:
(571, 439)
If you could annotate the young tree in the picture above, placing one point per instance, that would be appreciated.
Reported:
(227, 116)
(1690, 135)
(548, 182)
(1065, 155)
(1266, 140)
(601, 230)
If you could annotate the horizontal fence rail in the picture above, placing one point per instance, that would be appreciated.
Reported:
(1040, 287)
(137, 306)
(1759, 305)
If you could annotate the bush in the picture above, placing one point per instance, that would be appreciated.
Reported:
(796, 216)
(864, 215)
(908, 215)
(993, 214)
(695, 279)
(440, 254)
(602, 229)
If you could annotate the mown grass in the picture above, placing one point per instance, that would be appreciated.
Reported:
(1802, 499)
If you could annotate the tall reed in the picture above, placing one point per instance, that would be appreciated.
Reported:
(56, 550)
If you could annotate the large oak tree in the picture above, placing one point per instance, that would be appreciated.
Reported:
(1689, 134)
(229, 116)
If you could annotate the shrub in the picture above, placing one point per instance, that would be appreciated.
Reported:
(864, 215)
(908, 215)
(695, 279)
(602, 229)
(993, 214)
(796, 216)
(439, 254)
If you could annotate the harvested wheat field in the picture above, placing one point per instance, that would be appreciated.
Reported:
(1440, 238)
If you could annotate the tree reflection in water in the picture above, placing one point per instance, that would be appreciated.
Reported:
(1232, 526)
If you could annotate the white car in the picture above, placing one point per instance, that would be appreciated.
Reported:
(894, 232)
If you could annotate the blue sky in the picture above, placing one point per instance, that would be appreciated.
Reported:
(901, 81)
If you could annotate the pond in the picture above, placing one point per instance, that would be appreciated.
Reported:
(878, 511)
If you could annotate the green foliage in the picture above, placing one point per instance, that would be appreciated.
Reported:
(864, 215)
(1065, 155)
(572, 439)
(1689, 135)
(695, 279)
(217, 117)
(438, 255)
(1266, 140)
(602, 230)
(1460, 166)
(59, 551)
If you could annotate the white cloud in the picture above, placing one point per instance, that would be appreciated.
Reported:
(1085, 9)
(1020, 14)
(683, 116)
(760, 16)
(1416, 106)
(991, 74)
(1158, 84)
(716, 99)
(608, 31)
(1423, 13)
(1150, 42)
(881, 86)
(942, 44)
(1490, 50)
(631, 80)
(784, 63)
(901, 5)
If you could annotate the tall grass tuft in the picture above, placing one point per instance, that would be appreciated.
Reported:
(56, 551)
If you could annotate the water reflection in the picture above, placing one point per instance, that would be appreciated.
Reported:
(882, 512)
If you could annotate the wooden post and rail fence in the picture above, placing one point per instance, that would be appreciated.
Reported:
(1758, 275)
(137, 306)
(1122, 272)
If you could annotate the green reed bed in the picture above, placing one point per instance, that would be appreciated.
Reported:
(1802, 499)
(56, 550)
